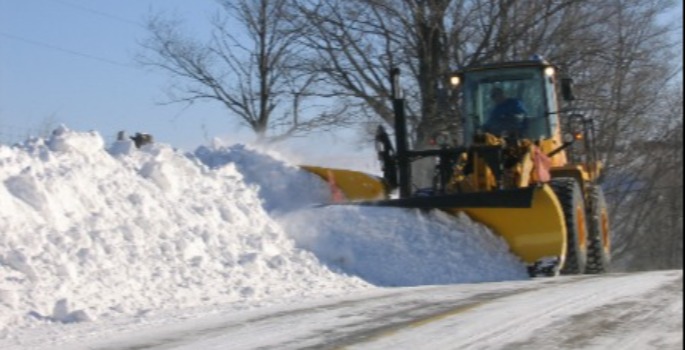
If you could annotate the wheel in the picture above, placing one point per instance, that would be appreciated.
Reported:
(572, 203)
(599, 240)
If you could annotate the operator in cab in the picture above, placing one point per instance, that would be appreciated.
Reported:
(507, 117)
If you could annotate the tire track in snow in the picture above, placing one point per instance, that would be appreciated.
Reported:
(181, 337)
(475, 316)
(514, 321)
(625, 324)
(356, 320)
(415, 312)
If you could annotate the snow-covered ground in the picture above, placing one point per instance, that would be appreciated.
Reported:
(94, 234)
(635, 311)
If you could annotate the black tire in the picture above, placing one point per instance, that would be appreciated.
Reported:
(599, 232)
(571, 198)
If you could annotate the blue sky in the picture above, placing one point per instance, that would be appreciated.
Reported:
(72, 62)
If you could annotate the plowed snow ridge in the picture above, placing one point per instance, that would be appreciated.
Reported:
(90, 231)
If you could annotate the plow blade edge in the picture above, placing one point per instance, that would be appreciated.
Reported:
(530, 219)
(532, 233)
(354, 185)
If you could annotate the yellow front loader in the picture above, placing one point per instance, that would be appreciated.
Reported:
(527, 180)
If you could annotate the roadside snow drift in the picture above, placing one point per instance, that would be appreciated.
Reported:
(91, 231)
(391, 247)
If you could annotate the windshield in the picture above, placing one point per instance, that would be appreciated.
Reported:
(510, 101)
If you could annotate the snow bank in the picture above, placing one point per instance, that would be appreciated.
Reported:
(384, 246)
(395, 247)
(283, 187)
(87, 234)
(90, 232)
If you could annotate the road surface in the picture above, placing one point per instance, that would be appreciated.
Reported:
(613, 311)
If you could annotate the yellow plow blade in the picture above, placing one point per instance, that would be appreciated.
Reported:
(533, 225)
(354, 185)
(532, 233)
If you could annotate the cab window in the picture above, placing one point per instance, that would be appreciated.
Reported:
(524, 84)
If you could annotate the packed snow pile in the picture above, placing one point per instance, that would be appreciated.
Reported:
(283, 187)
(91, 231)
(387, 248)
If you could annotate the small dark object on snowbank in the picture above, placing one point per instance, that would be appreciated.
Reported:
(140, 139)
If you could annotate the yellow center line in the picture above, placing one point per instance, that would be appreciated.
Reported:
(421, 322)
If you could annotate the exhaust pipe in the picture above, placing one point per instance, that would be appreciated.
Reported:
(403, 161)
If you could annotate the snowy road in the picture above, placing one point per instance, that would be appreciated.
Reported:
(622, 311)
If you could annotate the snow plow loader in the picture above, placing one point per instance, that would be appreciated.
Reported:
(530, 173)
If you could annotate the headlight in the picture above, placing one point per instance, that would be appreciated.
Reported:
(454, 81)
(549, 71)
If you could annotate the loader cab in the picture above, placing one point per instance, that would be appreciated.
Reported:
(530, 82)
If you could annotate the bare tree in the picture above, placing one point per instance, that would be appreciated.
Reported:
(651, 219)
(252, 72)
(358, 41)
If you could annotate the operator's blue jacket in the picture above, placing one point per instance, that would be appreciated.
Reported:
(506, 117)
